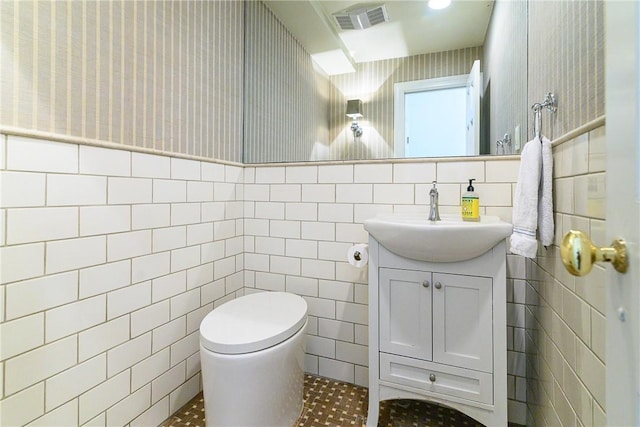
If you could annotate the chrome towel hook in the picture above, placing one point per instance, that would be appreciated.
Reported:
(551, 104)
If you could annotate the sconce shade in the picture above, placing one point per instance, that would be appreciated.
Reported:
(354, 108)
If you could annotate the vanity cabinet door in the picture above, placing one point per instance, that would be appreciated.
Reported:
(405, 312)
(463, 321)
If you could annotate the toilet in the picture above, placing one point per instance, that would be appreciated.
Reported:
(252, 353)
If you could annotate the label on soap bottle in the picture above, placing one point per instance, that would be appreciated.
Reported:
(470, 208)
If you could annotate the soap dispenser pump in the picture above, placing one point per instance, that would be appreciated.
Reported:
(470, 204)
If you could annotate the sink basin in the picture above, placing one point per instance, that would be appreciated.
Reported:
(451, 239)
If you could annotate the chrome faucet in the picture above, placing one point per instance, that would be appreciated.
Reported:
(434, 215)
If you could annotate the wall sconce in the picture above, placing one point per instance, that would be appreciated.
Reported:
(354, 112)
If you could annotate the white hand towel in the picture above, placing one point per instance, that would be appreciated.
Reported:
(525, 205)
(545, 196)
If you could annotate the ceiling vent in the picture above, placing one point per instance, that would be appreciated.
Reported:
(361, 18)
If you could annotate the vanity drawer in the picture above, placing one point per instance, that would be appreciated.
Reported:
(449, 380)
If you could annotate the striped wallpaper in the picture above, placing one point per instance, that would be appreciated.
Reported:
(286, 103)
(505, 73)
(161, 75)
(373, 84)
(566, 56)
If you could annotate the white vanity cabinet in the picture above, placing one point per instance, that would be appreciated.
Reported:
(437, 332)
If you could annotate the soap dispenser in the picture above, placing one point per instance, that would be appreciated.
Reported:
(470, 204)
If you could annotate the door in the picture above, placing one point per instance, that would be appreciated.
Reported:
(439, 116)
(463, 321)
(405, 312)
(434, 123)
(623, 213)
(474, 93)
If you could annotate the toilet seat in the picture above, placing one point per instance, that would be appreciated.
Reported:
(253, 322)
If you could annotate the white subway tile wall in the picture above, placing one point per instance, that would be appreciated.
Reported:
(125, 279)
(104, 161)
(22, 189)
(150, 166)
(26, 154)
(564, 321)
(319, 214)
(74, 190)
(41, 224)
(107, 268)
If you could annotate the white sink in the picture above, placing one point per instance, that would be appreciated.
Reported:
(451, 239)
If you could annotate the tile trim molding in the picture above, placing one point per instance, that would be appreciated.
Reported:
(57, 137)
(29, 133)
(585, 128)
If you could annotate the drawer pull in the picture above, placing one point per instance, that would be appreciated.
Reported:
(425, 283)
(432, 378)
(438, 285)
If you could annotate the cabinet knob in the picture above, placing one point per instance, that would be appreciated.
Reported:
(432, 378)
(425, 283)
(438, 285)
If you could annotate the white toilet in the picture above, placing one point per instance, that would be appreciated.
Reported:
(252, 354)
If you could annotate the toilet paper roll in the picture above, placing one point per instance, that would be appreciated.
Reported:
(358, 255)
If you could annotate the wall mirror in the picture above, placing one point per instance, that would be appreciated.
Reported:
(305, 60)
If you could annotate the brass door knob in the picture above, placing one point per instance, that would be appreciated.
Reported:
(579, 254)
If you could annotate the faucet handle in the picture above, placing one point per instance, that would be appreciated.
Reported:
(434, 215)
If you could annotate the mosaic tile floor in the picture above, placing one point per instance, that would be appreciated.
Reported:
(332, 403)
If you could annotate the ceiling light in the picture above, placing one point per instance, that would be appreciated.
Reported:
(439, 4)
(332, 62)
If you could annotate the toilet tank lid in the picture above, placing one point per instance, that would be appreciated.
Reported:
(253, 322)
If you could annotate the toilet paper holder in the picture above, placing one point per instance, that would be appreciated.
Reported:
(357, 255)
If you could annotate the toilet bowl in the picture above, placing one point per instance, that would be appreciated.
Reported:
(252, 355)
